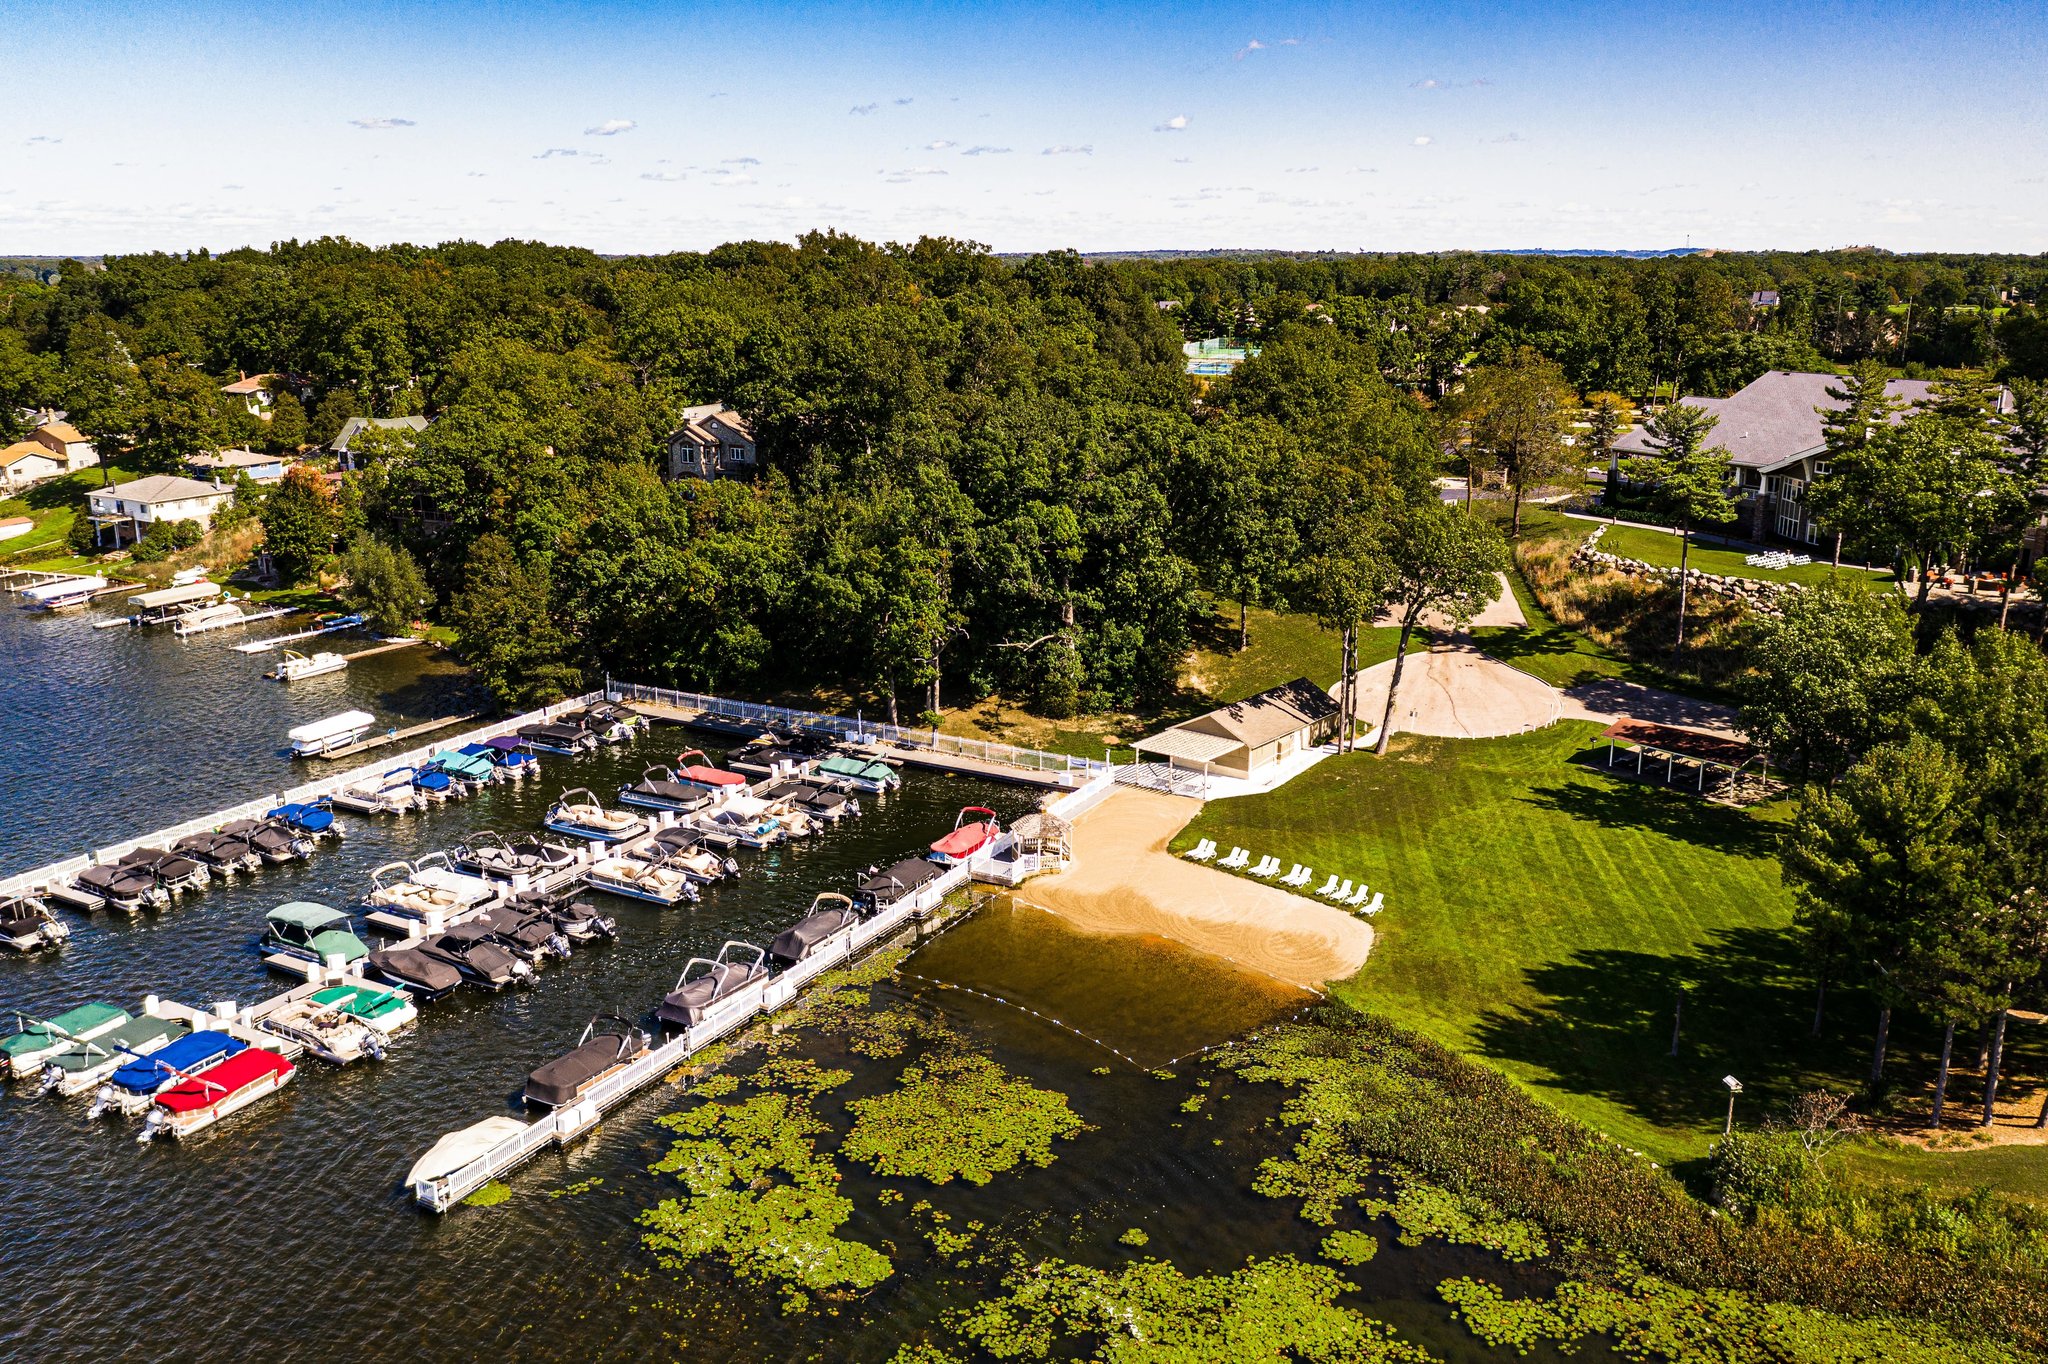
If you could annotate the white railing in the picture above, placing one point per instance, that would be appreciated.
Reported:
(566, 1123)
(58, 872)
(754, 712)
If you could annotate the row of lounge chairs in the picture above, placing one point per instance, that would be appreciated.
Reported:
(1360, 897)
(1777, 559)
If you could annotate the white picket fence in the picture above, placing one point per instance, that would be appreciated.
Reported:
(57, 873)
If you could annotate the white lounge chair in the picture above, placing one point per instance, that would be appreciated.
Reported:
(1372, 906)
(1202, 851)
(1238, 857)
(1295, 877)
(1327, 887)
(1266, 867)
(1358, 896)
(1343, 892)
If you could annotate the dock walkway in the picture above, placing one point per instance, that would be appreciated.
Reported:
(375, 741)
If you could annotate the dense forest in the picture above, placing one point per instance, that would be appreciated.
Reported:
(991, 472)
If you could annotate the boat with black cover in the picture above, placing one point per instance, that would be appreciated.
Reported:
(274, 841)
(225, 853)
(820, 802)
(685, 848)
(830, 915)
(531, 933)
(175, 874)
(566, 740)
(483, 959)
(577, 920)
(706, 981)
(609, 1045)
(607, 722)
(422, 974)
(27, 925)
(883, 887)
(112, 885)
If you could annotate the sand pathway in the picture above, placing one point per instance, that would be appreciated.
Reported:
(1125, 881)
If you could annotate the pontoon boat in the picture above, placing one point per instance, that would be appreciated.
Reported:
(969, 836)
(880, 889)
(36, 1040)
(490, 855)
(859, 774)
(63, 594)
(227, 854)
(429, 886)
(475, 951)
(704, 774)
(26, 924)
(112, 886)
(314, 819)
(82, 1065)
(193, 1105)
(530, 933)
(566, 740)
(658, 883)
(830, 915)
(176, 875)
(744, 819)
(577, 814)
(390, 793)
(312, 932)
(609, 1045)
(458, 1149)
(607, 723)
(512, 762)
(473, 771)
(683, 848)
(332, 1025)
(297, 667)
(737, 966)
(660, 789)
(324, 736)
(414, 970)
(141, 1078)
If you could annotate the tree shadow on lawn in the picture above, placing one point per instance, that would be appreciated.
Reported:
(1616, 803)
(1603, 1028)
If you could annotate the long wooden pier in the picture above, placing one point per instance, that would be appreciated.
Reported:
(375, 741)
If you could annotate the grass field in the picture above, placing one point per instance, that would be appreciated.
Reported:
(1543, 916)
(55, 505)
(1661, 548)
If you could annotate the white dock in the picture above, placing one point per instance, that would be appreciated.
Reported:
(257, 646)
(565, 1125)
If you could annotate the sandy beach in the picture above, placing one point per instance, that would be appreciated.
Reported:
(1125, 881)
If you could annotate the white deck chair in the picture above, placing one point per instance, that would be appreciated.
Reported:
(1202, 851)
(1343, 892)
(1295, 876)
(1264, 867)
(1358, 896)
(1372, 906)
(1328, 885)
(1272, 867)
(1238, 857)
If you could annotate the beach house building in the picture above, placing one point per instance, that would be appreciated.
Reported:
(1247, 739)
(713, 442)
(123, 514)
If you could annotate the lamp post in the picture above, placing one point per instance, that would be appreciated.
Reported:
(1734, 1088)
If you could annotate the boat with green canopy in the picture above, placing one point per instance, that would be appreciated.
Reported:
(342, 1023)
(81, 1066)
(312, 932)
(36, 1040)
(862, 774)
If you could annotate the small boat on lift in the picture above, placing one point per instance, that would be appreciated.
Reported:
(413, 970)
(193, 1105)
(430, 885)
(703, 774)
(659, 788)
(471, 772)
(746, 820)
(476, 952)
(200, 619)
(83, 1065)
(112, 885)
(830, 915)
(167, 605)
(707, 981)
(608, 722)
(226, 854)
(63, 594)
(566, 740)
(297, 667)
(609, 1044)
(512, 762)
(657, 883)
(881, 888)
(491, 855)
(324, 736)
(577, 814)
(969, 836)
(343, 1023)
(128, 1091)
(388, 793)
(684, 849)
(36, 1040)
(27, 925)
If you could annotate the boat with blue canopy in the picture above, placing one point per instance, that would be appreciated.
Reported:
(133, 1084)
(513, 762)
(315, 819)
(432, 784)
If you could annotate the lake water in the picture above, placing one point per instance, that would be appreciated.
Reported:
(285, 1233)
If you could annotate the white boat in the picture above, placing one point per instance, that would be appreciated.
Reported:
(343, 1023)
(63, 594)
(295, 666)
(200, 619)
(458, 1149)
(413, 890)
(168, 604)
(336, 731)
(655, 882)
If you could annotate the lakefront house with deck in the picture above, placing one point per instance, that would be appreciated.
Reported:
(123, 514)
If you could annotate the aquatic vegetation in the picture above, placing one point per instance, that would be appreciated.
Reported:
(958, 1115)
(801, 1074)
(1135, 1237)
(581, 1186)
(1151, 1313)
(715, 1086)
(1350, 1247)
(1649, 1319)
(1423, 1211)
(760, 1198)
(490, 1195)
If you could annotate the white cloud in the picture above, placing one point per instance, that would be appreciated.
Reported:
(741, 161)
(46, 141)
(663, 177)
(1422, 141)
(906, 99)
(1510, 137)
(379, 124)
(1253, 46)
(1067, 149)
(1183, 160)
(905, 176)
(863, 108)
(1431, 84)
(1303, 170)
(939, 145)
(985, 150)
(1291, 42)
(554, 152)
(1172, 125)
(611, 127)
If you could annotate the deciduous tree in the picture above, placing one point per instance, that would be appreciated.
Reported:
(1688, 480)
(1445, 562)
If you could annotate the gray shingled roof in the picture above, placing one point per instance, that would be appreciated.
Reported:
(354, 425)
(1775, 419)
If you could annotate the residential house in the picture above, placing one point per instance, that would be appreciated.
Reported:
(26, 462)
(222, 465)
(11, 526)
(66, 440)
(713, 442)
(1772, 429)
(1245, 738)
(254, 392)
(355, 426)
(123, 514)
(1765, 298)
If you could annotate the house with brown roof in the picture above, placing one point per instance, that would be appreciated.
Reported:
(1247, 738)
(1772, 430)
(26, 462)
(67, 442)
(713, 442)
(254, 391)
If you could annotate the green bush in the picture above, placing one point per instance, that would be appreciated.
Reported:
(1767, 1169)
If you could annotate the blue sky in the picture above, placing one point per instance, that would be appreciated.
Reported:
(665, 126)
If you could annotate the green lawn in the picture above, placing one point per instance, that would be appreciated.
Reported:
(55, 505)
(1662, 547)
(1563, 656)
(1541, 914)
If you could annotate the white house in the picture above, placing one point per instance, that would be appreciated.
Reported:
(223, 465)
(66, 440)
(124, 513)
(253, 393)
(713, 442)
(26, 462)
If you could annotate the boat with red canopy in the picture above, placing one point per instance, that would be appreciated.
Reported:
(969, 836)
(703, 774)
(199, 1101)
